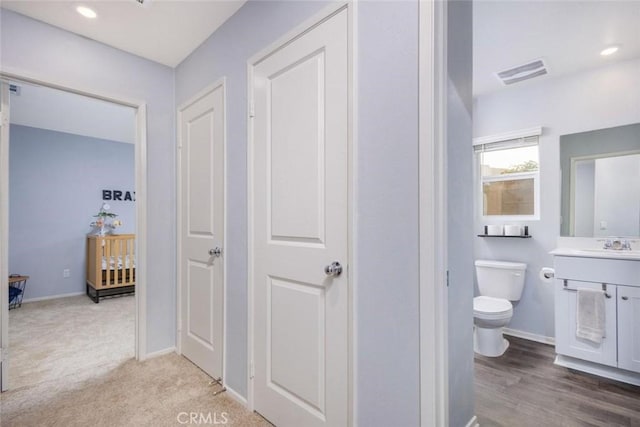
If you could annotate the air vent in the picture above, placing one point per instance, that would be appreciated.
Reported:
(522, 72)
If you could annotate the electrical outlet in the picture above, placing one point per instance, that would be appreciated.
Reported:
(66, 272)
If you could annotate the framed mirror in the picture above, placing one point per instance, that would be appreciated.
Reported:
(601, 182)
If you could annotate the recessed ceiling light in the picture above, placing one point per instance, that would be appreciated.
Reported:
(86, 12)
(610, 50)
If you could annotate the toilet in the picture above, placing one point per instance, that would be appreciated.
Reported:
(499, 282)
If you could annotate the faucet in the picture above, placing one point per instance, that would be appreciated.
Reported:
(616, 244)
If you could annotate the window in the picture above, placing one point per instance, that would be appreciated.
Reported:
(509, 178)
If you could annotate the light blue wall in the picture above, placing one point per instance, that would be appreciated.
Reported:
(562, 106)
(56, 181)
(387, 341)
(387, 264)
(43, 51)
(460, 213)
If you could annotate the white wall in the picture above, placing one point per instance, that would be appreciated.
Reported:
(600, 98)
(51, 54)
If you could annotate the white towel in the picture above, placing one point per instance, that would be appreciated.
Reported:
(590, 315)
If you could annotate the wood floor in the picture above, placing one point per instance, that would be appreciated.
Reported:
(524, 388)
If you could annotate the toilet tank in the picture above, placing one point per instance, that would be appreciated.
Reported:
(501, 279)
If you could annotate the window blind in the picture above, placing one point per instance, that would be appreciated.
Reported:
(527, 141)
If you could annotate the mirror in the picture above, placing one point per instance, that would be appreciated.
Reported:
(601, 182)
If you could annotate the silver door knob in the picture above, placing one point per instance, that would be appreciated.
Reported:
(334, 269)
(216, 252)
(625, 298)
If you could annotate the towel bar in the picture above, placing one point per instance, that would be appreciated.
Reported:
(604, 288)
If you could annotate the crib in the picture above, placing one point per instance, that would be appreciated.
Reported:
(111, 268)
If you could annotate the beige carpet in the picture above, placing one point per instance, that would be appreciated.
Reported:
(72, 366)
(52, 339)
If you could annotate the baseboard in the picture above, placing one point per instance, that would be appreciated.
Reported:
(236, 396)
(473, 422)
(72, 294)
(160, 353)
(529, 336)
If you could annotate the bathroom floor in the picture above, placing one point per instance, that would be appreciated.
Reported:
(524, 388)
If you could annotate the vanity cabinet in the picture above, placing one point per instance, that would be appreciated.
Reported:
(629, 328)
(566, 324)
(618, 355)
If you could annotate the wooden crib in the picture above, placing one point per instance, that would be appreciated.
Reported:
(111, 268)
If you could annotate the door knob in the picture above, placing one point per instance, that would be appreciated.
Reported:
(334, 269)
(625, 298)
(216, 252)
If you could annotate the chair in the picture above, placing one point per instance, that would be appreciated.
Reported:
(17, 284)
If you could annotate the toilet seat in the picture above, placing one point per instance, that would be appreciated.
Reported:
(492, 308)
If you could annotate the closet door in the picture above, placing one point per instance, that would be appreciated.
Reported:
(201, 148)
(300, 230)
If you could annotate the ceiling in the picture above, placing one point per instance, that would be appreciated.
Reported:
(52, 109)
(568, 35)
(164, 31)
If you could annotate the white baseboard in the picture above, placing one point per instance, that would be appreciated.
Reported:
(529, 336)
(473, 422)
(72, 294)
(160, 353)
(236, 396)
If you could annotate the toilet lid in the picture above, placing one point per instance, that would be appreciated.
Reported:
(491, 305)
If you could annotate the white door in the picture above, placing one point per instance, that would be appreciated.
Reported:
(4, 238)
(629, 328)
(202, 137)
(299, 199)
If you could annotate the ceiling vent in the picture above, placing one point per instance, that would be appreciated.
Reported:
(522, 72)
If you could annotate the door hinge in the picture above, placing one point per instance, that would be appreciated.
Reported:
(252, 370)
(252, 109)
(447, 278)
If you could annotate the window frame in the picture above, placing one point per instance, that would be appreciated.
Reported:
(516, 138)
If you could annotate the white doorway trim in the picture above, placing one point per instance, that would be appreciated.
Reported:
(140, 188)
(434, 378)
(222, 82)
(351, 7)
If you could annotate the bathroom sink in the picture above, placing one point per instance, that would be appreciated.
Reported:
(597, 253)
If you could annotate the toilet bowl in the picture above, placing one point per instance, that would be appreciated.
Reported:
(499, 282)
(490, 315)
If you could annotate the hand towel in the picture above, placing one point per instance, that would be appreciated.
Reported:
(590, 315)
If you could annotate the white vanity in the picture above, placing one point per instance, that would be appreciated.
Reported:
(617, 272)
